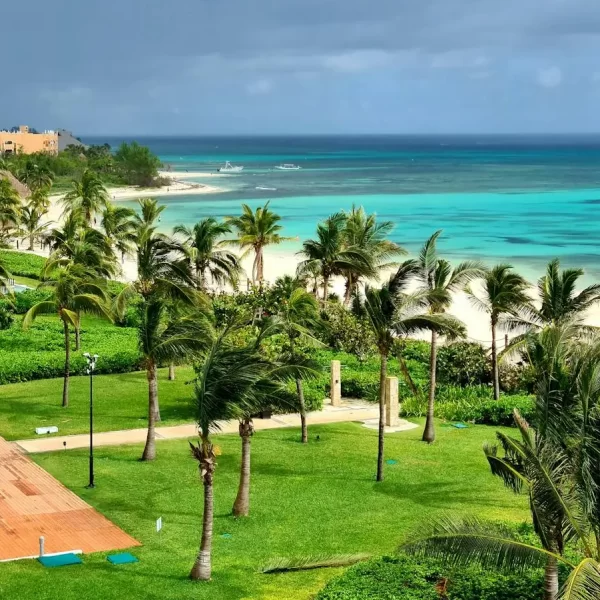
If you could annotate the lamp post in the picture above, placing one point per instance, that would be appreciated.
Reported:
(91, 361)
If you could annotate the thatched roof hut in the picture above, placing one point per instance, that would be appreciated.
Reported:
(21, 188)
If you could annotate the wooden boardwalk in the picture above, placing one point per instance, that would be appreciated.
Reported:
(33, 503)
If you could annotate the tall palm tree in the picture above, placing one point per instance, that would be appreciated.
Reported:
(440, 281)
(205, 247)
(224, 380)
(118, 225)
(40, 200)
(364, 232)
(32, 226)
(298, 318)
(75, 290)
(256, 230)
(330, 254)
(87, 196)
(394, 313)
(163, 277)
(504, 294)
(10, 208)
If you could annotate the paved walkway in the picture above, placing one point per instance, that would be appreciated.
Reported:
(348, 411)
(33, 503)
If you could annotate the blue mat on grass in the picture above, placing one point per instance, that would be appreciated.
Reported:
(121, 559)
(60, 560)
(460, 426)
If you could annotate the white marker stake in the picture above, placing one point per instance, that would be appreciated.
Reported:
(159, 525)
(42, 546)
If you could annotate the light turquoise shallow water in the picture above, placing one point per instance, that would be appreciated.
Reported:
(520, 200)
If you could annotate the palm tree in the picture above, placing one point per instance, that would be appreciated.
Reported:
(556, 465)
(504, 295)
(163, 277)
(440, 281)
(5, 277)
(330, 254)
(298, 318)
(206, 250)
(364, 232)
(87, 197)
(10, 207)
(36, 177)
(40, 200)
(118, 226)
(256, 230)
(75, 290)
(393, 313)
(32, 226)
(224, 380)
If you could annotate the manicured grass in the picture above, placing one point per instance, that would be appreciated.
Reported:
(318, 498)
(120, 402)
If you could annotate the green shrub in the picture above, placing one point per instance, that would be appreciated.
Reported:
(24, 300)
(463, 363)
(473, 404)
(407, 578)
(23, 264)
(346, 332)
(6, 317)
(517, 378)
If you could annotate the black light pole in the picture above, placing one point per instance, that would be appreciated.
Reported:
(91, 361)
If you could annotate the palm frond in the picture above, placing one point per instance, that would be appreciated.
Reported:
(583, 582)
(304, 563)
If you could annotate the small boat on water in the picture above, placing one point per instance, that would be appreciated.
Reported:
(229, 168)
(269, 189)
(288, 167)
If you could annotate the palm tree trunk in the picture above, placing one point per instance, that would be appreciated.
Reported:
(300, 390)
(261, 266)
(429, 432)
(495, 362)
(171, 372)
(551, 579)
(202, 566)
(382, 377)
(150, 447)
(325, 287)
(77, 337)
(348, 292)
(31, 242)
(241, 506)
(65, 398)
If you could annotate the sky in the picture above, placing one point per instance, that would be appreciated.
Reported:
(171, 67)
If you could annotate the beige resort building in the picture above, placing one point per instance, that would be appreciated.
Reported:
(24, 141)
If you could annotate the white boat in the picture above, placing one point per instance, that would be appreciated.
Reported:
(229, 168)
(288, 167)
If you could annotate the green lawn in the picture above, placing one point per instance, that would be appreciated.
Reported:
(120, 402)
(319, 498)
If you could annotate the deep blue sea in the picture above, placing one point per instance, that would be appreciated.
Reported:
(519, 199)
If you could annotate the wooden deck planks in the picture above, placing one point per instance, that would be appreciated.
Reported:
(33, 503)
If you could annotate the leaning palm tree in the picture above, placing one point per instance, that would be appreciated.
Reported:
(256, 230)
(364, 232)
(504, 294)
(331, 256)
(224, 380)
(73, 290)
(118, 225)
(298, 318)
(163, 277)
(31, 225)
(439, 280)
(87, 196)
(392, 312)
(205, 247)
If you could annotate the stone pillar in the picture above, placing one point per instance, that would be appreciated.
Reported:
(336, 383)
(392, 408)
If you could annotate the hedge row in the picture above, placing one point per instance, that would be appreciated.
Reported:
(406, 578)
(22, 264)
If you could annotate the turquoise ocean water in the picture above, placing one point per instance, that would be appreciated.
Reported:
(498, 198)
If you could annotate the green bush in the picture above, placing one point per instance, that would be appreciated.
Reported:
(474, 404)
(6, 317)
(23, 264)
(407, 578)
(517, 378)
(24, 300)
(346, 332)
(463, 363)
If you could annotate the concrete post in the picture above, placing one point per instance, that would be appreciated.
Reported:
(392, 408)
(336, 383)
